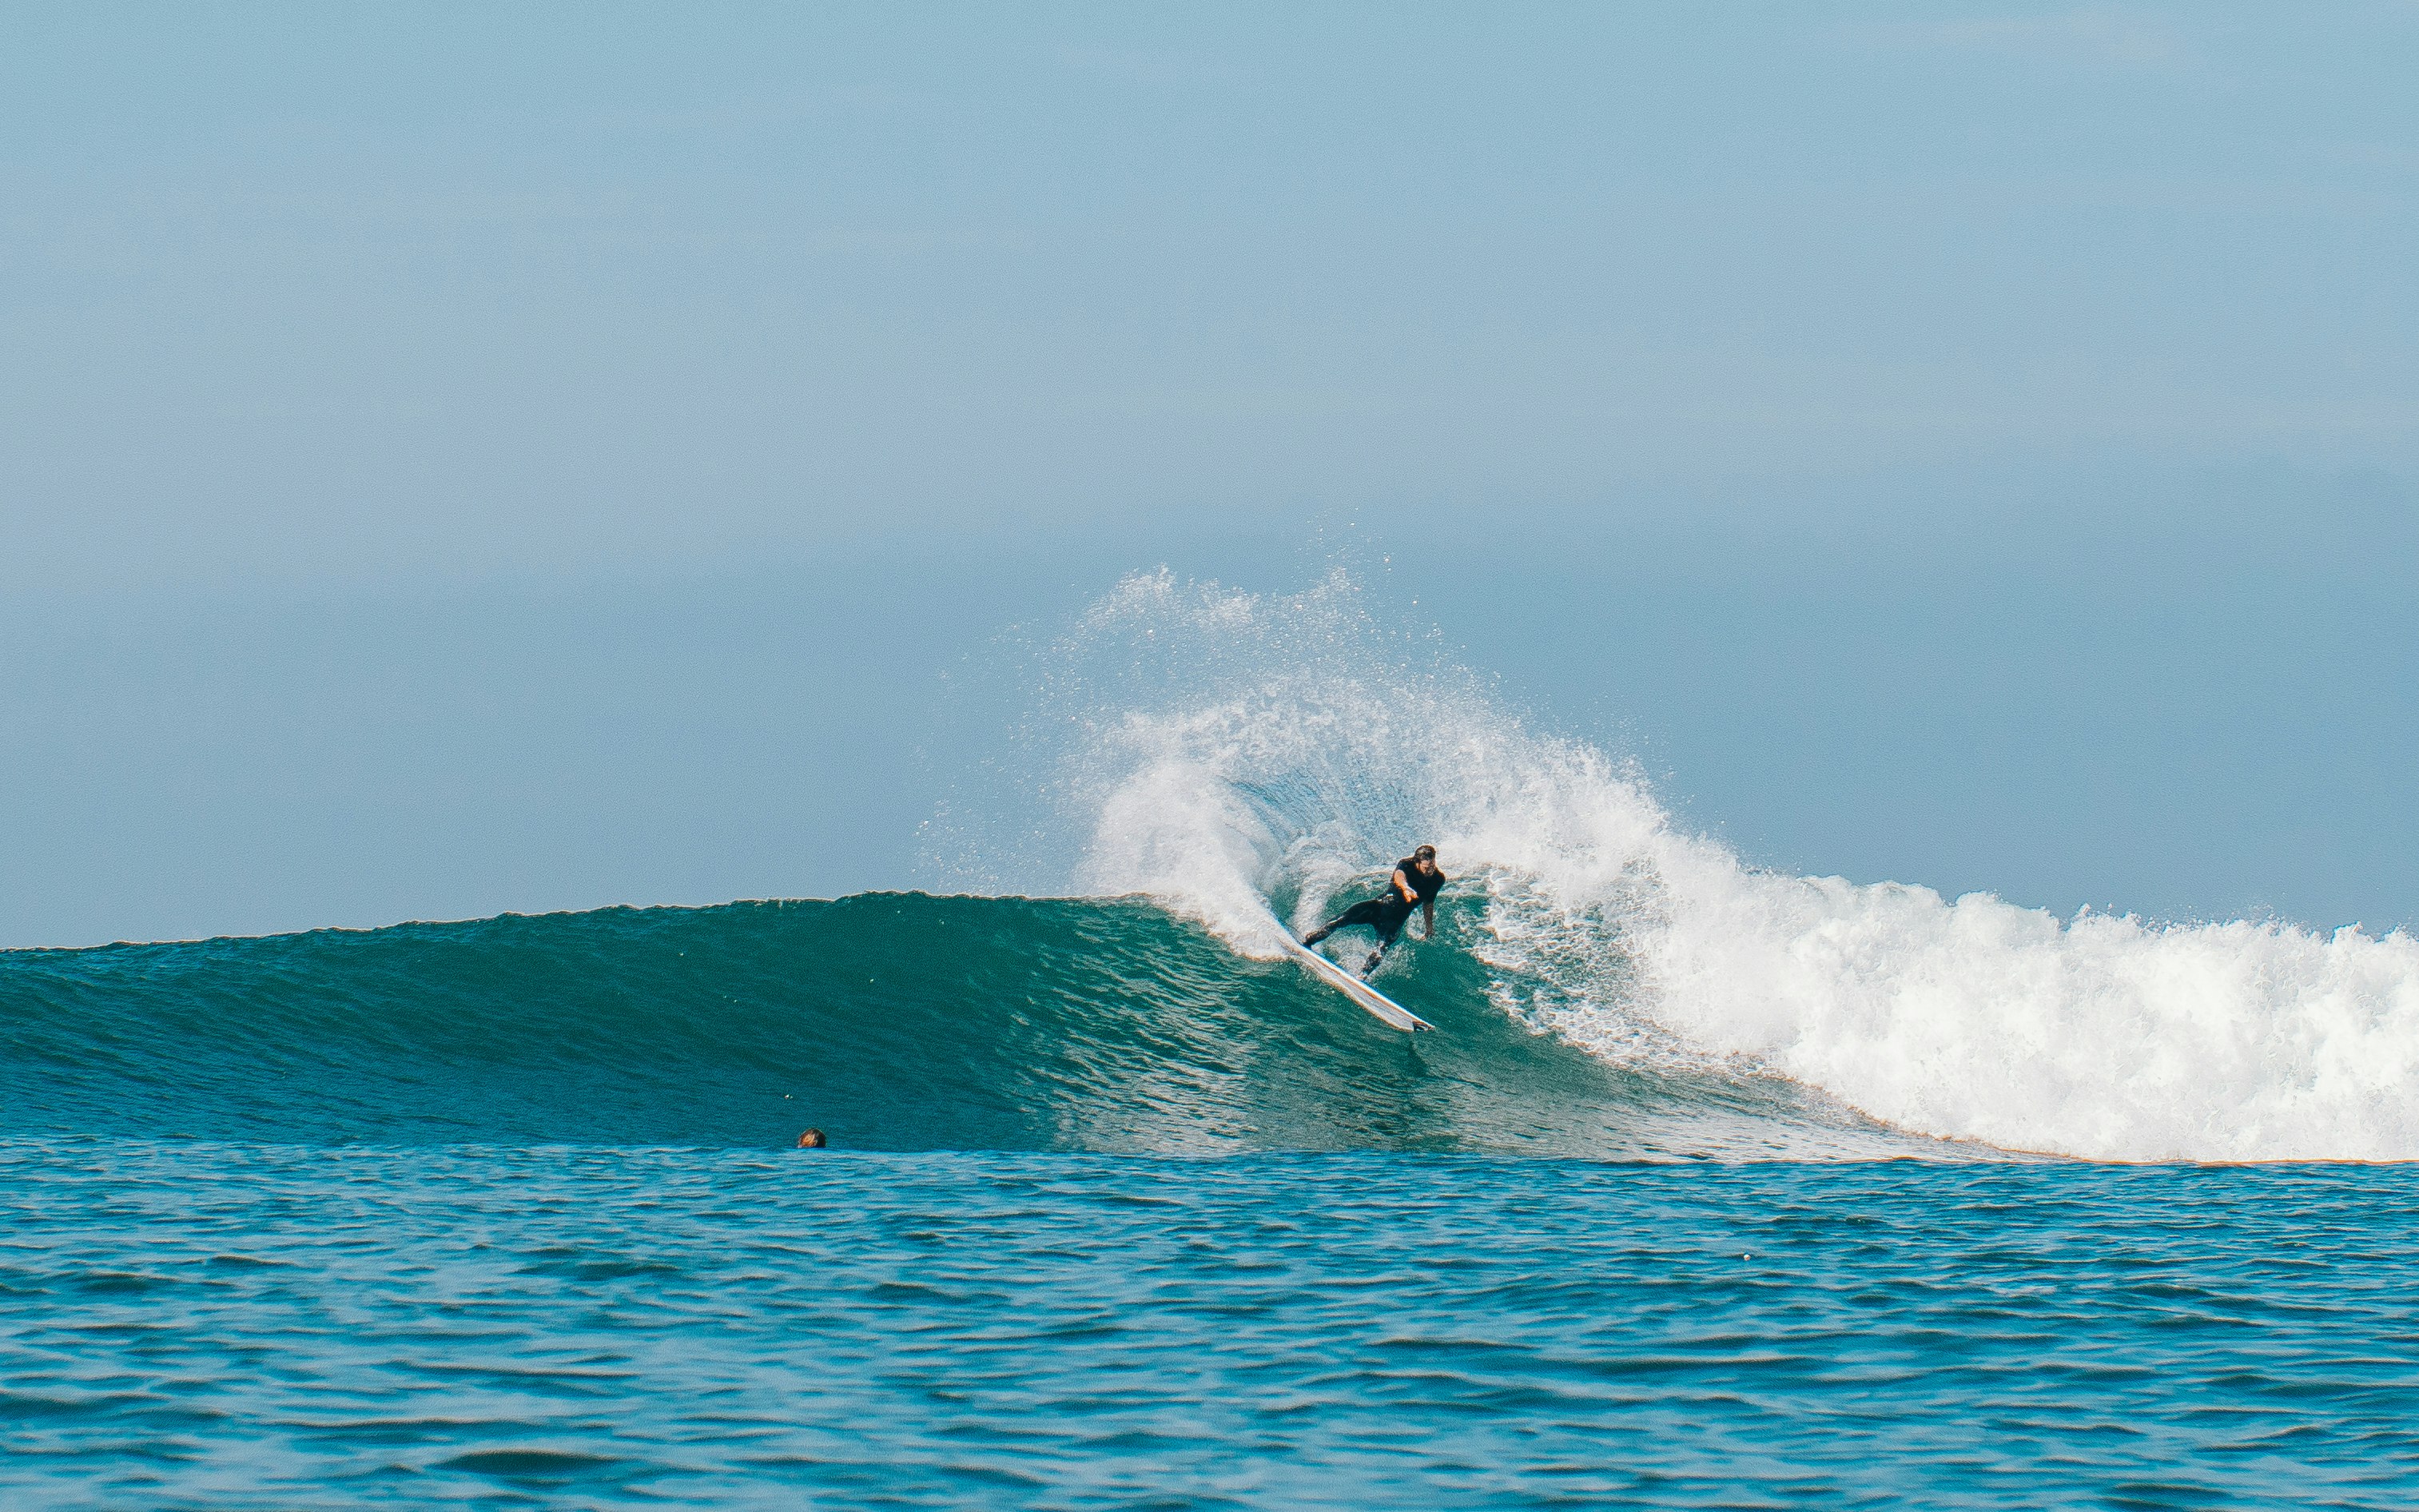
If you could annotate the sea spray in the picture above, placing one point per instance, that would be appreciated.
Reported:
(1245, 759)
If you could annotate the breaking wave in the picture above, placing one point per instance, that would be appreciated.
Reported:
(1246, 759)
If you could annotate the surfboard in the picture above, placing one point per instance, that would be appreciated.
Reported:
(1353, 987)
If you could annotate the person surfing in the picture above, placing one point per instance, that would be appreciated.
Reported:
(1415, 885)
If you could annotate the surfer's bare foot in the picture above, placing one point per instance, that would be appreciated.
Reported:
(1371, 964)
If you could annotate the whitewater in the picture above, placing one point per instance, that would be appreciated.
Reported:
(1248, 760)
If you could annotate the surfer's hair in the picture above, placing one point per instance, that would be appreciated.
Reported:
(1426, 853)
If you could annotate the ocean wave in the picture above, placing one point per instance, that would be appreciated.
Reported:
(1213, 770)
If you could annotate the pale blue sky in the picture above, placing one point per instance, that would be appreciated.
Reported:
(445, 450)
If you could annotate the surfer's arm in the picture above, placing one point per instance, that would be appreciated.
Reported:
(1428, 920)
(1403, 886)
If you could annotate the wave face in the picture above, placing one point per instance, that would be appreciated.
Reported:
(1246, 759)
(891, 1020)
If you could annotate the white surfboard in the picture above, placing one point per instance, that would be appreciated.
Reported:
(1353, 987)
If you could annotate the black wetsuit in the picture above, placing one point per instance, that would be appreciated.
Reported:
(1386, 915)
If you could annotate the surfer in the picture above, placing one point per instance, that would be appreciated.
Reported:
(1415, 885)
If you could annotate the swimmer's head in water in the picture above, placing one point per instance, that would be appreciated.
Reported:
(811, 1139)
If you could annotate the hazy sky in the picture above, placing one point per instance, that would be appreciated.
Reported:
(466, 457)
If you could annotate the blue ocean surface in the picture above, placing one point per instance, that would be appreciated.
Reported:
(233, 1325)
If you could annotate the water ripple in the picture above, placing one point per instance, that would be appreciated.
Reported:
(228, 1326)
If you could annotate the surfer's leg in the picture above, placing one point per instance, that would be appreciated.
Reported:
(1370, 913)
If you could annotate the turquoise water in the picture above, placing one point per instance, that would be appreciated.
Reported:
(892, 1021)
(203, 1324)
(503, 1212)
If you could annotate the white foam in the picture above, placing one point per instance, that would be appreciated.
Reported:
(1233, 749)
